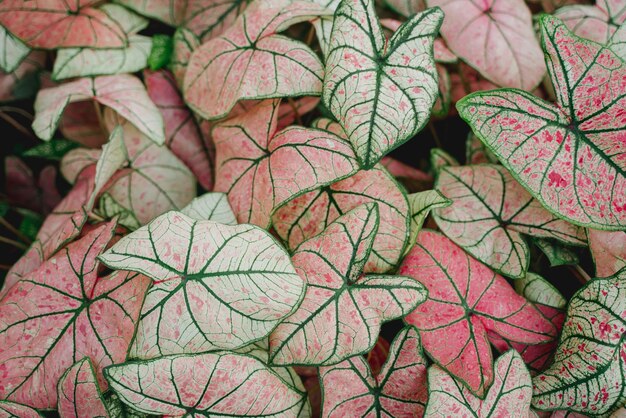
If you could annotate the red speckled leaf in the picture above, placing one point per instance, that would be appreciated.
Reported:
(381, 94)
(201, 270)
(261, 170)
(489, 213)
(509, 396)
(496, 38)
(55, 24)
(250, 61)
(342, 312)
(12, 409)
(596, 23)
(587, 374)
(608, 250)
(62, 312)
(350, 389)
(572, 156)
(182, 134)
(24, 191)
(466, 299)
(203, 385)
(79, 394)
(123, 93)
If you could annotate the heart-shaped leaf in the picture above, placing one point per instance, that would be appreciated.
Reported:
(201, 270)
(496, 38)
(211, 384)
(489, 213)
(350, 389)
(288, 67)
(342, 312)
(58, 24)
(587, 374)
(466, 299)
(182, 134)
(596, 23)
(568, 156)
(13, 51)
(211, 206)
(608, 250)
(79, 393)
(381, 94)
(12, 409)
(123, 93)
(509, 396)
(261, 170)
(62, 312)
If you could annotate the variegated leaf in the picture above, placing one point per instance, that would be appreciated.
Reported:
(558, 254)
(79, 393)
(608, 250)
(212, 206)
(411, 178)
(22, 83)
(490, 211)
(421, 204)
(597, 23)
(81, 124)
(381, 94)
(13, 51)
(12, 409)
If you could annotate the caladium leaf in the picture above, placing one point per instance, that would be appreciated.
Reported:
(466, 300)
(596, 23)
(57, 24)
(467, 80)
(123, 93)
(539, 291)
(290, 68)
(79, 393)
(261, 170)
(29, 261)
(23, 82)
(211, 384)
(23, 190)
(381, 94)
(412, 179)
(114, 155)
(503, 46)
(421, 204)
(587, 374)
(201, 269)
(309, 214)
(440, 159)
(568, 156)
(75, 161)
(399, 390)
(558, 255)
(490, 211)
(509, 396)
(184, 43)
(477, 153)
(182, 134)
(341, 313)
(406, 8)
(378, 355)
(62, 312)
(12, 409)
(211, 206)
(13, 51)
(81, 124)
(608, 250)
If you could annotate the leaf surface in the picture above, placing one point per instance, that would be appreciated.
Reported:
(558, 255)
(79, 393)
(608, 250)
(212, 206)
(12, 409)
(596, 23)
(13, 51)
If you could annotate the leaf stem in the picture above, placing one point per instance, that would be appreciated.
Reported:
(98, 109)
(15, 231)
(14, 243)
(580, 273)
(466, 85)
(433, 132)
(16, 124)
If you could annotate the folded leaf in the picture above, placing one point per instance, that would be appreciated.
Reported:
(79, 393)
(608, 250)
(508, 397)
(489, 213)
(381, 94)
(212, 206)
(350, 389)
(342, 312)
(596, 23)
(421, 204)
(569, 156)
(587, 374)
(466, 299)
(13, 51)
(558, 255)
(202, 270)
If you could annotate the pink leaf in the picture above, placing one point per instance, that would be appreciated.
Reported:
(29, 261)
(62, 312)
(413, 179)
(608, 250)
(79, 393)
(342, 312)
(55, 24)
(12, 409)
(571, 157)
(467, 299)
(80, 123)
(261, 170)
(596, 23)
(496, 38)
(261, 63)
(350, 389)
(25, 192)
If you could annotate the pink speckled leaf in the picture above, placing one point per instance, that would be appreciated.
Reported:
(342, 310)
(79, 393)
(28, 262)
(15, 410)
(182, 134)
(608, 250)
(587, 374)
(350, 389)
(496, 38)
(203, 385)
(509, 396)
(381, 94)
(250, 61)
(123, 93)
(466, 299)
(597, 23)
(261, 170)
(55, 24)
(571, 157)
(309, 214)
(489, 213)
(62, 312)
(202, 270)
(24, 191)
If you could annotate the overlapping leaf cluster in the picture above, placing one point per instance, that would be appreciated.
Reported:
(235, 234)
